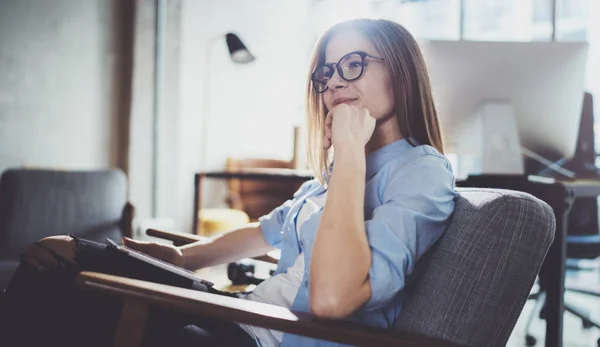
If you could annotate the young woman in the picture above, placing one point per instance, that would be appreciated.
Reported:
(349, 239)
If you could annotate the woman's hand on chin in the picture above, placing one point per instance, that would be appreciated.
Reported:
(347, 126)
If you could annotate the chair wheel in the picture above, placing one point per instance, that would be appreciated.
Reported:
(530, 341)
(598, 342)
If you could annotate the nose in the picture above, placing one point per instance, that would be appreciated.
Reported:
(336, 81)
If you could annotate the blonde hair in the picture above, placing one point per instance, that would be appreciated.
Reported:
(414, 108)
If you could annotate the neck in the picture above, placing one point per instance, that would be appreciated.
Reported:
(386, 132)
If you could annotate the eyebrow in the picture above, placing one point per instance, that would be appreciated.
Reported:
(338, 59)
(354, 51)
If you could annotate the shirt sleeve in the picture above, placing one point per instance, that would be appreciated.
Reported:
(272, 223)
(418, 200)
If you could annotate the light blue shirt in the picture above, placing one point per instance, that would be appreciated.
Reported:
(409, 197)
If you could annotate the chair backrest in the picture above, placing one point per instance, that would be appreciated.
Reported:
(258, 198)
(37, 203)
(474, 282)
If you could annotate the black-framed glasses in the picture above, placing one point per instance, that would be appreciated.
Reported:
(350, 68)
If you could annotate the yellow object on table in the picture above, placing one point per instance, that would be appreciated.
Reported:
(212, 221)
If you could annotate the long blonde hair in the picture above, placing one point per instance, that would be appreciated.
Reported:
(414, 107)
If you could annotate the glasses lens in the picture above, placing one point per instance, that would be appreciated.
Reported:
(321, 77)
(351, 66)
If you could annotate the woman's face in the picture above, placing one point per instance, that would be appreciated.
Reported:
(372, 91)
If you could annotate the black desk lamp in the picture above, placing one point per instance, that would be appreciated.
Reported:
(237, 50)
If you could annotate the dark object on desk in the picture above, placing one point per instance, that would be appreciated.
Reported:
(583, 234)
(239, 273)
(470, 288)
(38, 203)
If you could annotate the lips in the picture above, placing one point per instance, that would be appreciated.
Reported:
(343, 101)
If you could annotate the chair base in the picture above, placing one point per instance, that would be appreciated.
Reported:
(539, 298)
(583, 315)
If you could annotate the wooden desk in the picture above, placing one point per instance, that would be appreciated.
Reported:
(560, 195)
(262, 174)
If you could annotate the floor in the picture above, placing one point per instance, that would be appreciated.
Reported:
(574, 335)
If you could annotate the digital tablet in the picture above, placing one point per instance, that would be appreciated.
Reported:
(159, 263)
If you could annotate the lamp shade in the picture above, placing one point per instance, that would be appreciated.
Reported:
(238, 51)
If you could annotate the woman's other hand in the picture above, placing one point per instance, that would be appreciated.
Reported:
(347, 125)
(168, 253)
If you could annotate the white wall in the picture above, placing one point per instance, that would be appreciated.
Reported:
(59, 66)
(253, 108)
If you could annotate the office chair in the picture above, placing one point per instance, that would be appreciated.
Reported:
(583, 239)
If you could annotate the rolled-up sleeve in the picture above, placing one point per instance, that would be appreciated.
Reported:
(417, 202)
(272, 223)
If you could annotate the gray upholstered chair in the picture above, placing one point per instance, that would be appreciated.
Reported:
(468, 290)
(37, 203)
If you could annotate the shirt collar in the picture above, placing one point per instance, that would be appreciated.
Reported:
(376, 160)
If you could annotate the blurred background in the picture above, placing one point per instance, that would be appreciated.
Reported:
(157, 88)
(102, 83)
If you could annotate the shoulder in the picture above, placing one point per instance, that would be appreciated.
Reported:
(420, 169)
(423, 155)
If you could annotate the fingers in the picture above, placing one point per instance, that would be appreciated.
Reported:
(157, 250)
(327, 141)
(364, 112)
(370, 121)
(350, 121)
(328, 133)
(137, 245)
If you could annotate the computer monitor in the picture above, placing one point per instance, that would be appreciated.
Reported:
(543, 81)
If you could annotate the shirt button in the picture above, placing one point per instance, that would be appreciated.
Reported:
(306, 283)
(301, 244)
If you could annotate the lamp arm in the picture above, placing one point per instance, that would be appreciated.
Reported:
(206, 90)
(206, 99)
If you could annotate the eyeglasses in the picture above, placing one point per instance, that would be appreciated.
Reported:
(350, 68)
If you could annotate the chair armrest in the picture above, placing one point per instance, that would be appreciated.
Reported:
(179, 239)
(126, 222)
(248, 312)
